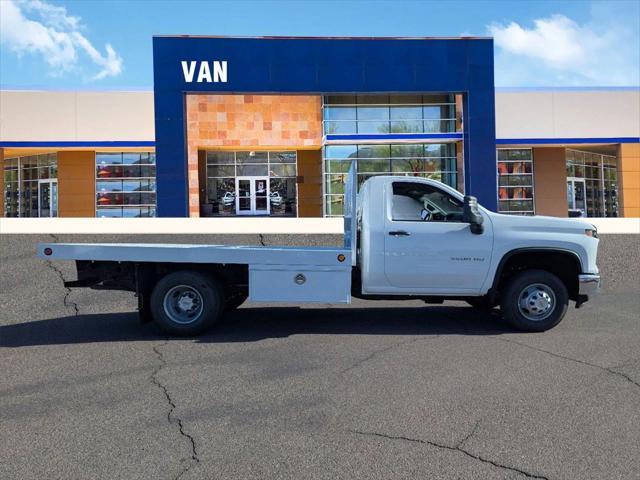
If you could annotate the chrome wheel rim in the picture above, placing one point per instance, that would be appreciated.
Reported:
(183, 304)
(536, 302)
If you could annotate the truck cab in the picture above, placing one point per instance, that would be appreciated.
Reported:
(404, 238)
(421, 238)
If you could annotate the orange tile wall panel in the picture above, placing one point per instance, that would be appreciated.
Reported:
(76, 184)
(310, 187)
(244, 122)
(629, 179)
(550, 181)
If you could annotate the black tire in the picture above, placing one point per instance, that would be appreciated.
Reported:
(533, 286)
(234, 302)
(202, 297)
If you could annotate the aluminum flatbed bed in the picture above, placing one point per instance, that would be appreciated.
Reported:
(179, 253)
(274, 274)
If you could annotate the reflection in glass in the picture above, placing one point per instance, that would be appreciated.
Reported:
(282, 196)
(282, 157)
(127, 179)
(340, 128)
(406, 113)
(383, 114)
(515, 181)
(275, 170)
(222, 195)
(260, 190)
(252, 157)
(30, 189)
(249, 170)
(340, 113)
(373, 127)
(108, 212)
(340, 151)
(405, 126)
(286, 170)
(334, 205)
(109, 186)
(221, 170)
(334, 184)
(374, 165)
(244, 194)
(598, 172)
(108, 158)
(337, 166)
(408, 165)
(129, 212)
(374, 151)
(436, 161)
(214, 157)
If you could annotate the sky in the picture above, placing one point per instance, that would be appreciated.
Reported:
(106, 44)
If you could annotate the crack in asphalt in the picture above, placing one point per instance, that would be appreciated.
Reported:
(582, 362)
(456, 448)
(171, 418)
(65, 300)
(468, 436)
(380, 351)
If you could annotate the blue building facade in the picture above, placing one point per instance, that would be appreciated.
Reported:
(420, 106)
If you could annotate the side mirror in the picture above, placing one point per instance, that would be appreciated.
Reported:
(472, 214)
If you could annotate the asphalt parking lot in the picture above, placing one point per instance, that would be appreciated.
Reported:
(373, 390)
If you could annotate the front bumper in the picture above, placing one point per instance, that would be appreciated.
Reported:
(588, 284)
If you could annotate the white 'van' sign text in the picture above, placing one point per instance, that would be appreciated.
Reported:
(208, 72)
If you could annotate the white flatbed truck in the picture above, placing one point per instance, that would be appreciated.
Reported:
(404, 238)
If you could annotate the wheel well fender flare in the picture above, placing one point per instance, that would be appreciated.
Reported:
(493, 290)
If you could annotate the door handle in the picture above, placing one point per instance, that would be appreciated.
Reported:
(399, 233)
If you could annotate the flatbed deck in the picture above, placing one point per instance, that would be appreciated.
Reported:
(181, 253)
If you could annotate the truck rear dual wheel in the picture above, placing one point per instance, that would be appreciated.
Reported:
(187, 303)
(534, 301)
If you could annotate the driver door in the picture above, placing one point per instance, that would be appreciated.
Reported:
(428, 248)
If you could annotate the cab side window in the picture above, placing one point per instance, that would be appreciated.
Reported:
(419, 202)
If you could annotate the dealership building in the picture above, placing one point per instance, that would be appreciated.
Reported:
(270, 126)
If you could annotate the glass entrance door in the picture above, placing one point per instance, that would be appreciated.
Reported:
(243, 196)
(576, 197)
(252, 196)
(261, 195)
(47, 198)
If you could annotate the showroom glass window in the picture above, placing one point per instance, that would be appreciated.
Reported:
(515, 181)
(432, 160)
(384, 114)
(597, 174)
(29, 182)
(125, 184)
(224, 167)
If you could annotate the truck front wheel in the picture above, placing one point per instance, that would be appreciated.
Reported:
(534, 301)
(186, 303)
